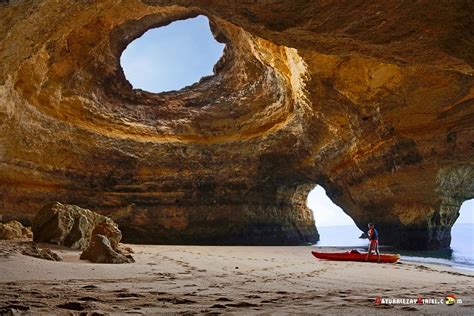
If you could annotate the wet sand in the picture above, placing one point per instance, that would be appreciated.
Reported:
(223, 279)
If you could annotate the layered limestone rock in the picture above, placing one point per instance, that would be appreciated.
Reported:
(71, 226)
(371, 100)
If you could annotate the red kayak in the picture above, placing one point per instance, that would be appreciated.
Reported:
(354, 255)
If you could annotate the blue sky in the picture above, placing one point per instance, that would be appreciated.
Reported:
(326, 213)
(172, 57)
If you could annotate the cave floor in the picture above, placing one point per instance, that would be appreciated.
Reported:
(224, 279)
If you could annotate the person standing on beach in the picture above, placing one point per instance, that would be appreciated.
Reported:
(373, 242)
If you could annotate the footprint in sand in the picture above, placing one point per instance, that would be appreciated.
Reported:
(88, 299)
(75, 306)
(242, 304)
(12, 309)
(410, 308)
(129, 295)
(269, 301)
(176, 300)
(351, 299)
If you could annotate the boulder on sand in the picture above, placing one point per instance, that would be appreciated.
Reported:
(70, 225)
(100, 251)
(113, 234)
(14, 230)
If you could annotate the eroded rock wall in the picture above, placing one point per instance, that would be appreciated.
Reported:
(373, 101)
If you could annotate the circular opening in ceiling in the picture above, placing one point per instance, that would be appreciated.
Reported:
(171, 57)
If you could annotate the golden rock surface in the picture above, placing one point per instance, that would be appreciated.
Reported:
(373, 100)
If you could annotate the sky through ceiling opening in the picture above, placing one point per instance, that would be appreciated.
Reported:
(171, 57)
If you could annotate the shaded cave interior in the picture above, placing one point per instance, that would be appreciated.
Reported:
(232, 158)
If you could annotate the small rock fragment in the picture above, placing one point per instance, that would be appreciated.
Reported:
(14, 230)
(44, 253)
(100, 251)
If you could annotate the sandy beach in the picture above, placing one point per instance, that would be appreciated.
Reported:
(224, 279)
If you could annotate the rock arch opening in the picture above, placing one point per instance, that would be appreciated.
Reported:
(462, 235)
(334, 226)
(172, 57)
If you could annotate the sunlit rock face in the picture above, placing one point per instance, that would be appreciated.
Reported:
(374, 101)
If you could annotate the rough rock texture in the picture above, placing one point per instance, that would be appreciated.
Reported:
(71, 226)
(27, 248)
(44, 253)
(14, 230)
(373, 100)
(112, 233)
(100, 250)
